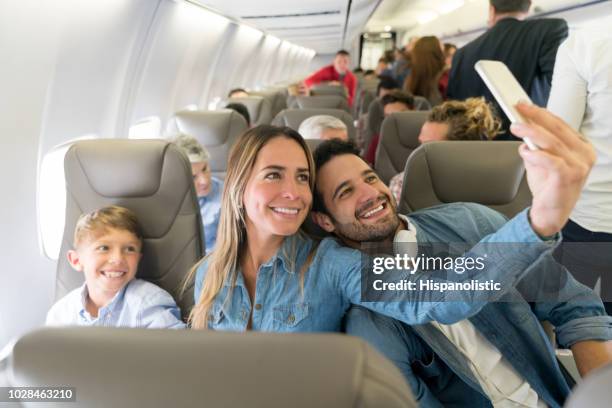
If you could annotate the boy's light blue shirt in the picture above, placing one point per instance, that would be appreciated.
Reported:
(333, 282)
(139, 304)
(210, 210)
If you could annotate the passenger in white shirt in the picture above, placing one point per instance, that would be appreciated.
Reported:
(582, 96)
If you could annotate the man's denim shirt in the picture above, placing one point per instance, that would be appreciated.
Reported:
(513, 323)
(332, 282)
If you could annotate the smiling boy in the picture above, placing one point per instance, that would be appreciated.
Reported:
(108, 245)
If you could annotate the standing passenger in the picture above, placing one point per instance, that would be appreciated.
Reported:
(208, 188)
(338, 72)
(427, 68)
(527, 47)
(582, 95)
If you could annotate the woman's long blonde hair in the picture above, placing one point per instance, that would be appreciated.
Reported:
(224, 260)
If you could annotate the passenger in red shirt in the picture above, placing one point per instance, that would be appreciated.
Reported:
(337, 72)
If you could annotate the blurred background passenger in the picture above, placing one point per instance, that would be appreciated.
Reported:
(241, 109)
(527, 46)
(369, 74)
(336, 73)
(208, 188)
(581, 95)
(323, 127)
(472, 119)
(382, 67)
(237, 93)
(427, 68)
(449, 51)
(392, 102)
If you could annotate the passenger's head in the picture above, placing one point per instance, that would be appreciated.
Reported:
(241, 109)
(350, 200)
(267, 195)
(298, 89)
(397, 101)
(237, 93)
(449, 53)
(107, 248)
(369, 74)
(472, 119)
(386, 85)
(324, 127)
(198, 157)
(342, 61)
(503, 8)
(427, 65)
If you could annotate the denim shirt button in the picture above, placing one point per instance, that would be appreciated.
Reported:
(291, 319)
(258, 306)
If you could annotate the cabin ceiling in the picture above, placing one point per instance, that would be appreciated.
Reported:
(322, 25)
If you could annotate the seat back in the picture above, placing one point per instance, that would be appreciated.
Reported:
(260, 108)
(151, 178)
(170, 368)
(215, 130)
(324, 101)
(278, 96)
(593, 391)
(293, 118)
(399, 137)
(326, 89)
(484, 172)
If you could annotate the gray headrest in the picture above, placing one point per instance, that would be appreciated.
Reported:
(323, 101)
(278, 96)
(153, 179)
(181, 368)
(216, 130)
(293, 118)
(325, 89)
(259, 107)
(399, 136)
(484, 172)
(593, 391)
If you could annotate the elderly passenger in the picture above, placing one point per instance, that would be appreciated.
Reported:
(208, 188)
(323, 127)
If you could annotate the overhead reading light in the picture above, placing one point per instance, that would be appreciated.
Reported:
(387, 28)
(427, 16)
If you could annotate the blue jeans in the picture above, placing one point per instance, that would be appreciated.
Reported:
(432, 382)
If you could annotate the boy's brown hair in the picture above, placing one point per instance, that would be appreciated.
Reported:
(97, 222)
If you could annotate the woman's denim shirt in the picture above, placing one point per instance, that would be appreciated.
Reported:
(332, 282)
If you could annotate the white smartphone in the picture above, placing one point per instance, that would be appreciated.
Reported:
(506, 90)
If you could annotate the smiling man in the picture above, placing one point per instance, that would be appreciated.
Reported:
(501, 354)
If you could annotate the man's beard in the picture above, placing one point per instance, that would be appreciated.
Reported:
(380, 231)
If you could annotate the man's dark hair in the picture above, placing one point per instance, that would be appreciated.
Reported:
(386, 82)
(358, 70)
(343, 52)
(398, 96)
(511, 6)
(241, 109)
(236, 90)
(323, 154)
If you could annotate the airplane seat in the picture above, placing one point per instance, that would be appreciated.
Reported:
(399, 137)
(259, 107)
(326, 89)
(215, 130)
(163, 368)
(323, 101)
(484, 172)
(153, 179)
(278, 96)
(594, 391)
(293, 118)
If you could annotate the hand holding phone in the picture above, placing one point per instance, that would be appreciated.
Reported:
(506, 90)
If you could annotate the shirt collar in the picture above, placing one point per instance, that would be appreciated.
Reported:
(289, 257)
(405, 240)
(109, 308)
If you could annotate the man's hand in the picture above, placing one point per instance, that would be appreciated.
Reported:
(557, 171)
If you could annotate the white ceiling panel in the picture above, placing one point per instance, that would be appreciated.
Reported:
(322, 25)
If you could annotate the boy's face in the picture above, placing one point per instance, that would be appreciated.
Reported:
(108, 260)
